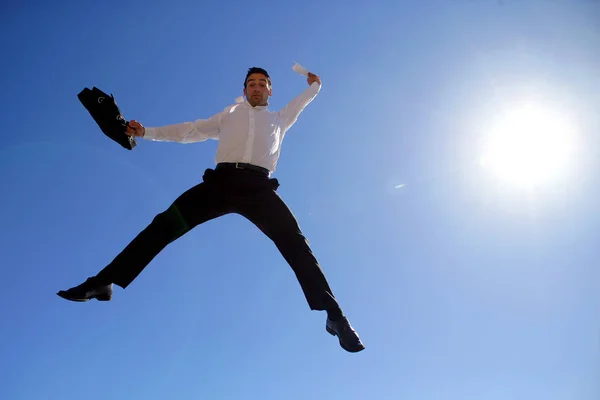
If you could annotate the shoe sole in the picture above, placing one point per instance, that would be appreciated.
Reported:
(79, 300)
(355, 350)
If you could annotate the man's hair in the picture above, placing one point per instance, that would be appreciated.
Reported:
(257, 70)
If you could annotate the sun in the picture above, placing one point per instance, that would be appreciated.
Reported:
(529, 146)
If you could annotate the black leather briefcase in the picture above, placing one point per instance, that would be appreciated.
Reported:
(104, 110)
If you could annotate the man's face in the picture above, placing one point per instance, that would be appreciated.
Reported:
(257, 90)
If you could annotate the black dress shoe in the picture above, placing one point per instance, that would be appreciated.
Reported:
(348, 337)
(90, 289)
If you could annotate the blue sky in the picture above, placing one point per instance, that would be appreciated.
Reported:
(461, 285)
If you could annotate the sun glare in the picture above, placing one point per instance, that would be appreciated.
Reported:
(529, 147)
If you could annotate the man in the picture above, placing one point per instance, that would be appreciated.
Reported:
(250, 137)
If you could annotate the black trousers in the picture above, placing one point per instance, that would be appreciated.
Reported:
(245, 192)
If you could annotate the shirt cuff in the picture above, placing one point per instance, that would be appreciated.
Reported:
(149, 133)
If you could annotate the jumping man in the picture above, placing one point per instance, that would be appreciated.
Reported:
(250, 137)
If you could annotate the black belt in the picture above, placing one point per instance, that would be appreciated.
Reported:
(239, 165)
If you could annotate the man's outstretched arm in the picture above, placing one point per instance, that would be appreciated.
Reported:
(185, 132)
(292, 110)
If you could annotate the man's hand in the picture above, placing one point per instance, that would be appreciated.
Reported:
(312, 78)
(134, 128)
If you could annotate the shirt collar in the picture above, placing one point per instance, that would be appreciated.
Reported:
(243, 100)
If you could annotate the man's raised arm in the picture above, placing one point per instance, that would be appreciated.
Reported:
(292, 110)
(185, 132)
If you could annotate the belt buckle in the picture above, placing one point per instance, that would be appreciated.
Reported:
(237, 166)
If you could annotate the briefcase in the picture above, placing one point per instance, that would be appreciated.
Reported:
(104, 110)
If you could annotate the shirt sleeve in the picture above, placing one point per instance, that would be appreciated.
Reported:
(292, 110)
(186, 132)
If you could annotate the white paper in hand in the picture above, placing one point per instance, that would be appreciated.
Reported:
(299, 69)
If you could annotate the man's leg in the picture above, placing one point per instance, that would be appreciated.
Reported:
(195, 206)
(273, 217)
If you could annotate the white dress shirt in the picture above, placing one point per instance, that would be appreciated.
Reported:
(246, 134)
